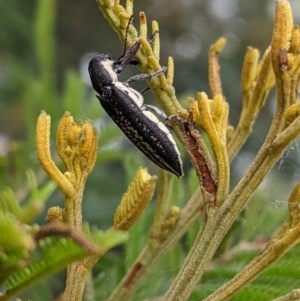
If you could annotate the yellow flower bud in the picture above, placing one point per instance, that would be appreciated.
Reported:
(135, 200)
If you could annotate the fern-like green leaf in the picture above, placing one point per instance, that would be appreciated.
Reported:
(52, 255)
(280, 278)
(105, 240)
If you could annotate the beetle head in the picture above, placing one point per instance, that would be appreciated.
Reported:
(101, 72)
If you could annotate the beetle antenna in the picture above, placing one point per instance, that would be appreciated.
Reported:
(126, 35)
(128, 55)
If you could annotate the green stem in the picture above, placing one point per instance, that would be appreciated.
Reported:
(150, 256)
(220, 219)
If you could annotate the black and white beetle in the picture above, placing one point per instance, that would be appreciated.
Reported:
(126, 107)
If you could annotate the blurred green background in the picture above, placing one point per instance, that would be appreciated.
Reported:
(45, 46)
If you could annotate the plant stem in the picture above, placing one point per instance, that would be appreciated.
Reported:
(219, 221)
(276, 248)
(145, 262)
